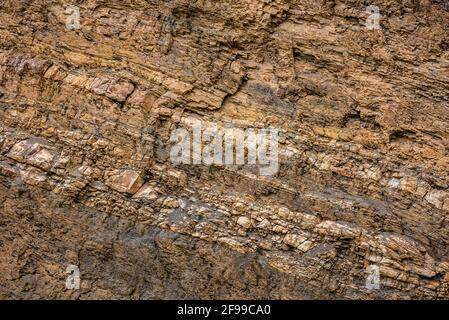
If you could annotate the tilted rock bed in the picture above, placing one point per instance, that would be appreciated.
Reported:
(86, 178)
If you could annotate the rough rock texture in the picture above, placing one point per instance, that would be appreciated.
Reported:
(85, 177)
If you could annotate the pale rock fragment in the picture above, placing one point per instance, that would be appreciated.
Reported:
(126, 181)
(414, 186)
(283, 213)
(394, 183)
(115, 89)
(264, 224)
(7, 169)
(338, 229)
(279, 228)
(401, 245)
(298, 241)
(120, 90)
(33, 151)
(35, 177)
(409, 184)
(42, 159)
(305, 246)
(171, 203)
(234, 244)
(308, 220)
(84, 170)
(147, 192)
(17, 152)
(390, 272)
(437, 198)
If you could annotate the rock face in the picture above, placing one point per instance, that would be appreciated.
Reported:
(86, 116)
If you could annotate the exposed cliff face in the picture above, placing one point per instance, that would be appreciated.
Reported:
(86, 179)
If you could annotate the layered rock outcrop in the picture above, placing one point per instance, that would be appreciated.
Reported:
(86, 115)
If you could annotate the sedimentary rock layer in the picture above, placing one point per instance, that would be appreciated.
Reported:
(86, 178)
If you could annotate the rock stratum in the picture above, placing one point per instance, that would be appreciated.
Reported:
(86, 178)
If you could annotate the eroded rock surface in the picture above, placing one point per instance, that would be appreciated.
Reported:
(86, 179)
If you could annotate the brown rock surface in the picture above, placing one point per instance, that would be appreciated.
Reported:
(85, 175)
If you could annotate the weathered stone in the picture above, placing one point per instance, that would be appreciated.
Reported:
(245, 222)
(171, 203)
(437, 198)
(116, 89)
(34, 152)
(296, 241)
(42, 159)
(338, 229)
(147, 192)
(128, 181)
